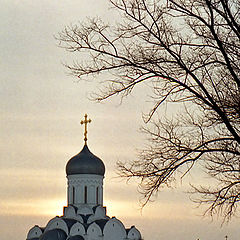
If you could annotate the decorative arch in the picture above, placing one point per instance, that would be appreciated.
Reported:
(94, 231)
(97, 195)
(100, 213)
(134, 234)
(57, 223)
(77, 229)
(69, 212)
(114, 230)
(85, 194)
(73, 195)
(34, 232)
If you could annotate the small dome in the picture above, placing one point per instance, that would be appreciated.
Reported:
(54, 234)
(77, 237)
(85, 163)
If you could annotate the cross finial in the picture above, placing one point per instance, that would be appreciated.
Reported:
(85, 122)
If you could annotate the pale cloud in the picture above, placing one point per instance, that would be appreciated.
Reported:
(26, 184)
(30, 207)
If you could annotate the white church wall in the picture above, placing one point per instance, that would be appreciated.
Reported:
(34, 232)
(85, 210)
(114, 230)
(92, 194)
(101, 195)
(78, 194)
(70, 194)
(76, 189)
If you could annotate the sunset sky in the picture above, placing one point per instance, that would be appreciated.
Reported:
(41, 107)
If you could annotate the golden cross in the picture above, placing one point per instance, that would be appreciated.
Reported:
(85, 121)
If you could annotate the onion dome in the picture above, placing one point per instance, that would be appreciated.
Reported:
(85, 163)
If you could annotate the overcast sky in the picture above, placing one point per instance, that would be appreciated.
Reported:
(41, 107)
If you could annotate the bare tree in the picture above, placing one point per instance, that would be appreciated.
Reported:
(188, 52)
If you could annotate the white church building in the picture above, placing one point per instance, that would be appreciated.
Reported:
(85, 217)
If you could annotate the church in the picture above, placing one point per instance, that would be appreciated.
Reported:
(84, 217)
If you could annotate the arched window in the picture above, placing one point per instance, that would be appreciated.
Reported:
(85, 194)
(73, 195)
(97, 195)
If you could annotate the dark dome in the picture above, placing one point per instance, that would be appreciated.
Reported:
(77, 237)
(85, 163)
(54, 234)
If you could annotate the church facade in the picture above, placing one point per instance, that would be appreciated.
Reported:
(84, 217)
